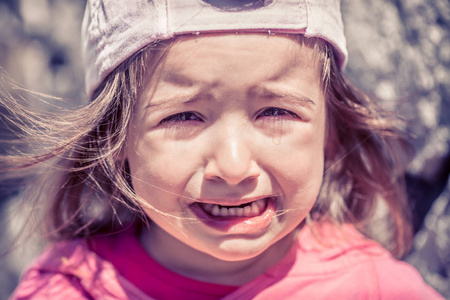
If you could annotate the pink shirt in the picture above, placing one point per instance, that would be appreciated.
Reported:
(348, 266)
(149, 276)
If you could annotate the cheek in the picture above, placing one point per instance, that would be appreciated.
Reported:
(158, 167)
(303, 173)
(300, 162)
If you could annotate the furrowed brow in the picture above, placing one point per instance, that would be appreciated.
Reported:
(170, 101)
(171, 76)
(174, 78)
(287, 95)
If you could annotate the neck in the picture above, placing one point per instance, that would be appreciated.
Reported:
(204, 267)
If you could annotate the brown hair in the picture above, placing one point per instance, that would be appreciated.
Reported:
(365, 159)
(86, 182)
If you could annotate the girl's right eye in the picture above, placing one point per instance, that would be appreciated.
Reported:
(181, 117)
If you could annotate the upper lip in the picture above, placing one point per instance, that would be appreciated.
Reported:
(232, 202)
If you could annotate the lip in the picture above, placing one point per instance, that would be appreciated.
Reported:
(236, 224)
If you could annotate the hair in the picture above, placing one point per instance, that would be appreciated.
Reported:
(83, 180)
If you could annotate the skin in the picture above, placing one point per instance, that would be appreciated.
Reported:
(254, 129)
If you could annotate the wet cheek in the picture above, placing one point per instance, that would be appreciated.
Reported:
(300, 161)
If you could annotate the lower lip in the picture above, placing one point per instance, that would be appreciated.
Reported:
(238, 225)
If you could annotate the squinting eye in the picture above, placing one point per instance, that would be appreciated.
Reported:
(181, 117)
(276, 112)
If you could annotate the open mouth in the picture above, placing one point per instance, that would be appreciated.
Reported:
(246, 218)
(246, 210)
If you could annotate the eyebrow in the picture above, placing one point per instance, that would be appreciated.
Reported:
(172, 76)
(180, 80)
(171, 100)
(288, 95)
(258, 92)
(175, 78)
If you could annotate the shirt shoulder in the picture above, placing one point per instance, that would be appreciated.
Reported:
(399, 280)
(340, 265)
(69, 270)
(38, 285)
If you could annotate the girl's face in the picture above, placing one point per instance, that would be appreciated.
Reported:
(228, 144)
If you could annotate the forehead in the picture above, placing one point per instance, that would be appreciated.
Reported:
(258, 43)
(259, 54)
(233, 66)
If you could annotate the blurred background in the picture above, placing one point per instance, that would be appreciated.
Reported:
(399, 51)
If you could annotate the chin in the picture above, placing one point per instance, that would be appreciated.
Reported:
(241, 249)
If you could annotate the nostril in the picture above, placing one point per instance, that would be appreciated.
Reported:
(232, 179)
(231, 160)
(214, 178)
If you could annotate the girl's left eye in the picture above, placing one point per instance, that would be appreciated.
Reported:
(277, 112)
(181, 117)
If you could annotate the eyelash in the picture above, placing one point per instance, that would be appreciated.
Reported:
(192, 116)
(181, 117)
(276, 112)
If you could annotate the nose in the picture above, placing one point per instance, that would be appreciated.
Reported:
(231, 159)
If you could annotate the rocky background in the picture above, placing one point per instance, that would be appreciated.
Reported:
(399, 51)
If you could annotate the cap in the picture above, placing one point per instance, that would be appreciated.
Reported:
(113, 30)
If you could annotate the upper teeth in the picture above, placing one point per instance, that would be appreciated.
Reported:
(252, 209)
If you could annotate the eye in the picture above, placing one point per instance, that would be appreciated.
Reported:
(181, 117)
(277, 112)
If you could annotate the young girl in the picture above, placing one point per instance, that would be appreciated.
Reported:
(223, 154)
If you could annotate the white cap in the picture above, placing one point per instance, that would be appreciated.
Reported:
(115, 29)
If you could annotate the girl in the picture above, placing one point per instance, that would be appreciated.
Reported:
(223, 154)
